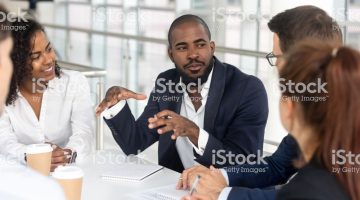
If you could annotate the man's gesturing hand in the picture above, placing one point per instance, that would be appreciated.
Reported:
(167, 121)
(116, 94)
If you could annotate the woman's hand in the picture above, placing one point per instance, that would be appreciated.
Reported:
(60, 157)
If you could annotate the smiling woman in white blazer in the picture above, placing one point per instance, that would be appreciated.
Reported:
(16, 180)
(45, 104)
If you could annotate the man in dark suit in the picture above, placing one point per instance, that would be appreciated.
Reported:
(256, 181)
(198, 110)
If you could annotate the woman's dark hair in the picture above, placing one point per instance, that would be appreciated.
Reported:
(336, 118)
(20, 55)
(5, 25)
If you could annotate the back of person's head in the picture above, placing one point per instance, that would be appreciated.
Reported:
(304, 22)
(335, 117)
(186, 19)
(5, 24)
(5, 49)
(24, 37)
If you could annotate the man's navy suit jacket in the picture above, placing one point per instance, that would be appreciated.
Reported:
(278, 170)
(235, 117)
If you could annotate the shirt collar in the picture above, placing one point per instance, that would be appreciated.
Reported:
(206, 85)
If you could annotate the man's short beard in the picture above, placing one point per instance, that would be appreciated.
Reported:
(203, 78)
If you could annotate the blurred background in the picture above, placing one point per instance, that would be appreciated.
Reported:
(124, 42)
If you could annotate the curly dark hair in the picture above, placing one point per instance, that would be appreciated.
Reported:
(20, 55)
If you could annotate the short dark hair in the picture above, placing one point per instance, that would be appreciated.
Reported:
(4, 25)
(187, 18)
(303, 22)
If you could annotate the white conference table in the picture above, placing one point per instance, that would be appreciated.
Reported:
(95, 188)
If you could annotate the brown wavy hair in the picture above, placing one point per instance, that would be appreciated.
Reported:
(335, 121)
(20, 55)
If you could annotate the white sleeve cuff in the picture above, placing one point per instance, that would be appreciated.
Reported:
(224, 193)
(224, 173)
(113, 111)
(202, 141)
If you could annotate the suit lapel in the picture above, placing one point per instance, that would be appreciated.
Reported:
(213, 102)
(215, 95)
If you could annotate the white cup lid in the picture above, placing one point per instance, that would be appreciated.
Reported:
(38, 148)
(68, 172)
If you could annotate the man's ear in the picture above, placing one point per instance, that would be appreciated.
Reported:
(291, 108)
(287, 111)
(170, 54)
(212, 46)
(291, 113)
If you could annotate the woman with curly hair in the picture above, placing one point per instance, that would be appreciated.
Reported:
(45, 104)
(15, 177)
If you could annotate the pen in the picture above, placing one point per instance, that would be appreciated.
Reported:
(194, 185)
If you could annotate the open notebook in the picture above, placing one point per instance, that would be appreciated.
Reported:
(130, 172)
(161, 193)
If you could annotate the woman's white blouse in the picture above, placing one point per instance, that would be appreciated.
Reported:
(66, 119)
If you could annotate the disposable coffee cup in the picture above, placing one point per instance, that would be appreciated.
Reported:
(38, 157)
(70, 179)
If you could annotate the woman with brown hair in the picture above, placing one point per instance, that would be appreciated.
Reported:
(319, 106)
(320, 109)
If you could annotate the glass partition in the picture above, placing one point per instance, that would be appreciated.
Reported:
(103, 37)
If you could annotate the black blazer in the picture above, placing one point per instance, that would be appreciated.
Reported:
(313, 182)
(235, 117)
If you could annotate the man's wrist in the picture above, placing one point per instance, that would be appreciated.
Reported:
(194, 138)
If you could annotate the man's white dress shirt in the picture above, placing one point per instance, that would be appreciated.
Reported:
(183, 144)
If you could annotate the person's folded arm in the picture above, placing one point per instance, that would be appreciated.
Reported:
(277, 169)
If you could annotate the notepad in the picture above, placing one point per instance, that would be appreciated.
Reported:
(161, 193)
(130, 172)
